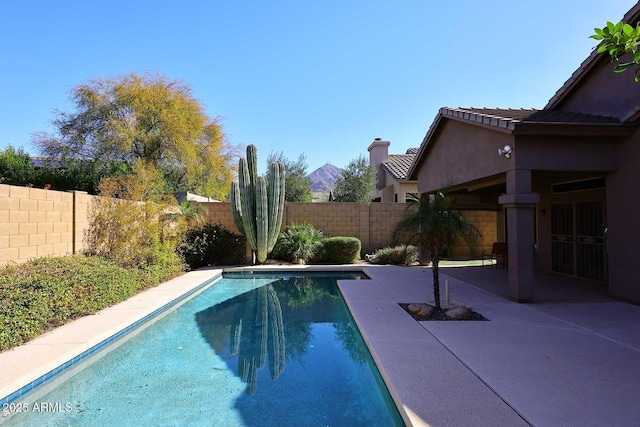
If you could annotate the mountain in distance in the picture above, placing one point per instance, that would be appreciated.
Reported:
(324, 178)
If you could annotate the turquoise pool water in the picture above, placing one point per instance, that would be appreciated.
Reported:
(262, 350)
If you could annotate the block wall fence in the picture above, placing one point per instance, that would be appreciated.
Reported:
(36, 222)
(372, 223)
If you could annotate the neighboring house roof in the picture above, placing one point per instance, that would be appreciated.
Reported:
(398, 165)
(632, 16)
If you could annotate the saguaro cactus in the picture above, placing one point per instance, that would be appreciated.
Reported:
(258, 205)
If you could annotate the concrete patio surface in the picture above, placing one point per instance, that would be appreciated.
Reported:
(559, 361)
(571, 358)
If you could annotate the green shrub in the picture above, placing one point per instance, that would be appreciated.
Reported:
(399, 255)
(16, 167)
(338, 250)
(45, 293)
(212, 244)
(297, 243)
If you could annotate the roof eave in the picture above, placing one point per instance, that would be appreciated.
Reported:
(500, 123)
(576, 129)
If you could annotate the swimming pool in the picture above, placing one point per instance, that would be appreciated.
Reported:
(257, 351)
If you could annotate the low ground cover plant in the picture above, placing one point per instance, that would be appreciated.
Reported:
(397, 255)
(48, 292)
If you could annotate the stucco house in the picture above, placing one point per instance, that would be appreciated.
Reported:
(562, 179)
(392, 184)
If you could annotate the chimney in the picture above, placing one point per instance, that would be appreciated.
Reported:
(378, 153)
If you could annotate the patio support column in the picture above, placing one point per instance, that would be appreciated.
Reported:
(519, 203)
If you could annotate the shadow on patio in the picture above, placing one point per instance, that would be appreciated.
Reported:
(579, 303)
(549, 288)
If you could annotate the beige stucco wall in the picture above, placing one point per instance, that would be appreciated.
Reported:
(404, 188)
(401, 188)
(461, 153)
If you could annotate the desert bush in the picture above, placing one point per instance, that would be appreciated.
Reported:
(212, 244)
(398, 255)
(47, 292)
(297, 243)
(132, 222)
(338, 250)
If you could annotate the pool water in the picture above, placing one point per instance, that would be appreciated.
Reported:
(257, 351)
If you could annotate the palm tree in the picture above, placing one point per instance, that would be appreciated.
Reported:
(193, 213)
(431, 223)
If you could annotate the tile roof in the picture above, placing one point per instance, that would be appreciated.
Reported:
(507, 118)
(399, 164)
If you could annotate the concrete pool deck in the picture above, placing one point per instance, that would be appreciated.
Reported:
(570, 359)
(549, 363)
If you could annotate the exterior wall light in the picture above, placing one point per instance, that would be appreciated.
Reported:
(506, 151)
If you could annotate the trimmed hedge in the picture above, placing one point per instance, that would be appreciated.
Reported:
(399, 255)
(212, 244)
(338, 250)
(48, 292)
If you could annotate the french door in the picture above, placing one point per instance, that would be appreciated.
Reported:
(578, 240)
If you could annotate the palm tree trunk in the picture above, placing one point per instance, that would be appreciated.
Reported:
(435, 260)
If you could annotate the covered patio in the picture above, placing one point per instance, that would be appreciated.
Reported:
(543, 171)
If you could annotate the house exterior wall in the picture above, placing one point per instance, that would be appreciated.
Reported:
(565, 153)
(623, 221)
(387, 194)
(399, 188)
(404, 188)
(603, 92)
(461, 153)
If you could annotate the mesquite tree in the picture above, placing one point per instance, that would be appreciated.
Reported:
(257, 205)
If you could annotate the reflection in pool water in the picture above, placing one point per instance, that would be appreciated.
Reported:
(244, 352)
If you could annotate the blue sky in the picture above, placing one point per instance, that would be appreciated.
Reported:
(320, 78)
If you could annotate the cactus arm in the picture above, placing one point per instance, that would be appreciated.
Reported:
(274, 197)
(249, 216)
(262, 220)
(252, 163)
(236, 206)
(281, 195)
